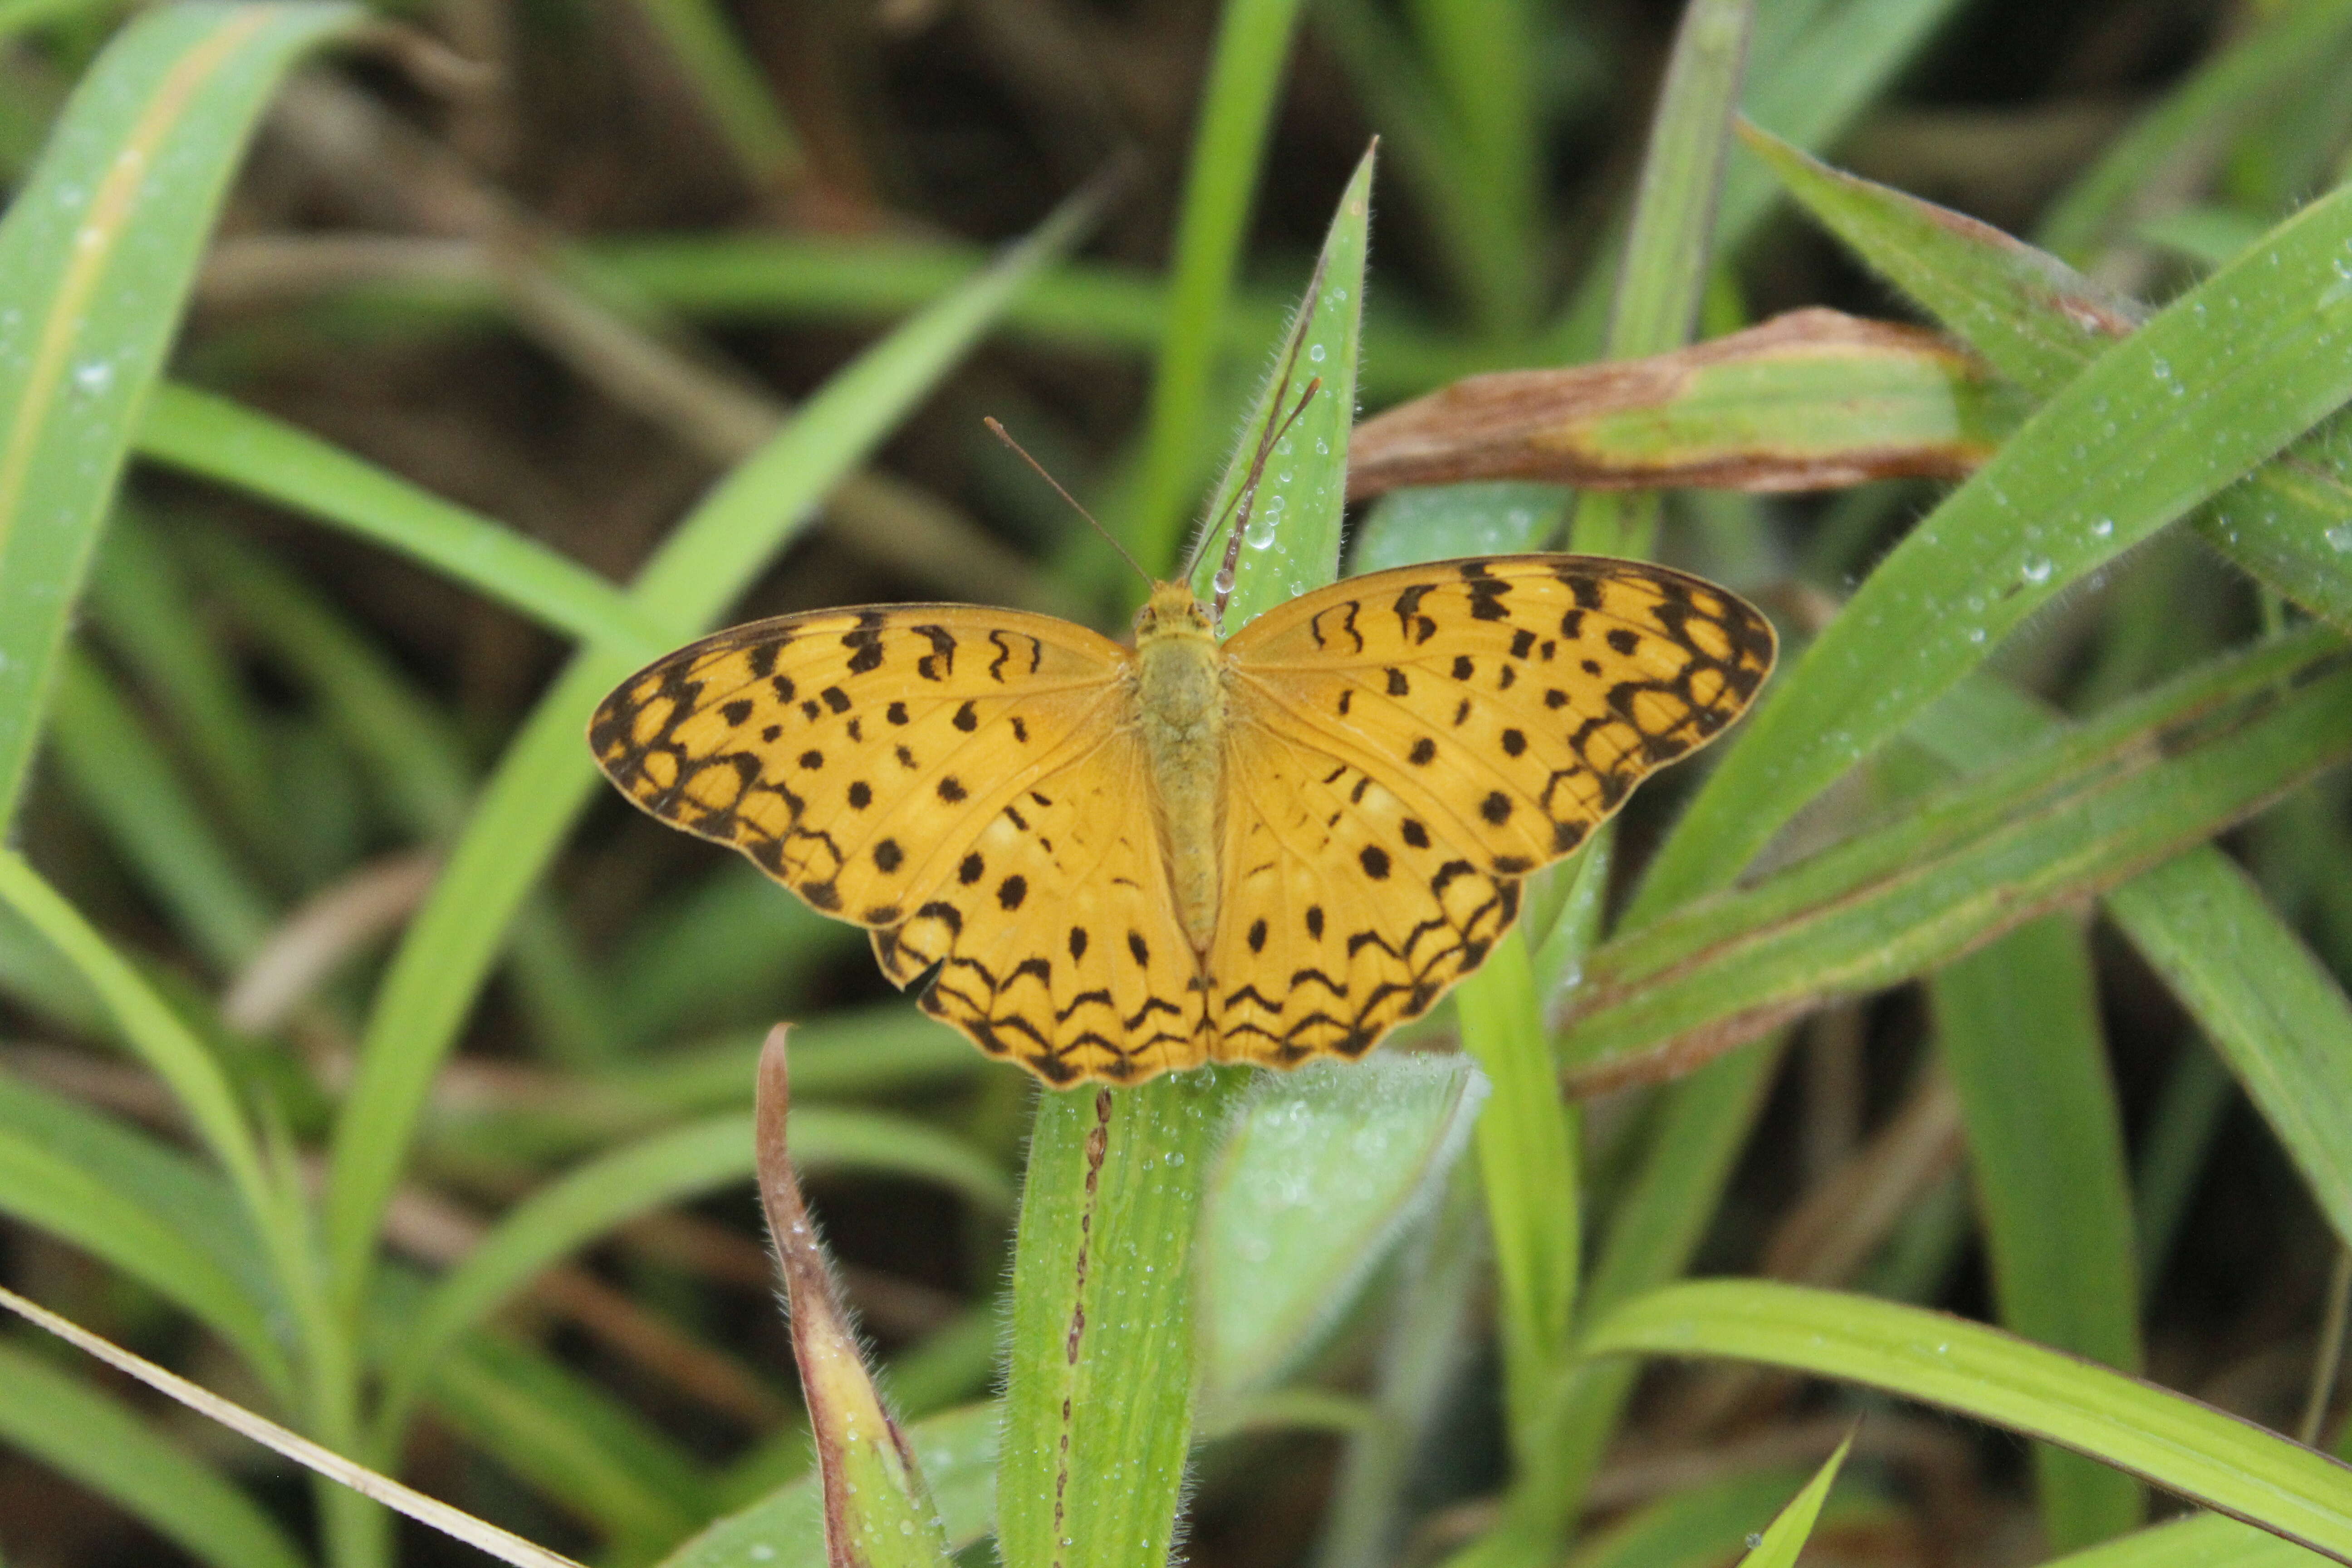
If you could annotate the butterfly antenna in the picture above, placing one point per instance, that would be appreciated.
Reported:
(1223, 582)
(1266, 440)
(1002, 433)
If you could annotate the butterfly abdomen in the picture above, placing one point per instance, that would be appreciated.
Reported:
(1180, 701)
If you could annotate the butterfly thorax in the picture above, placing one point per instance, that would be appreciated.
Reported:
(1180, 692)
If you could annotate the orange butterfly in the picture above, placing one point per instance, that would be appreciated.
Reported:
(1106, 862)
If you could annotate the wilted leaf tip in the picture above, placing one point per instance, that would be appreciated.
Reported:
(878, 1511)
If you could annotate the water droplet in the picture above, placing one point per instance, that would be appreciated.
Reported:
(1315, 354)
(1976, 633)
(2102, 527)
(94, 377)
(2339, 538)
(2037, 570)
(1224, 581)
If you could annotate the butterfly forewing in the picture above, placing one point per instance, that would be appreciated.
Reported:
(1509, 702)
(856, 754)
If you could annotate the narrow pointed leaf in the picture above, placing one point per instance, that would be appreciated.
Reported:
(1320, 1172)
(1785, 1536)
(2218, 382)
(877, 1512)
(97, 252)
(2228, 1465)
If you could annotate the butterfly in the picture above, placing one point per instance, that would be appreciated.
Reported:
(1106, 862)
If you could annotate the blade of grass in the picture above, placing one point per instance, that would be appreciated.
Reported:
(1960, 868)
(2230, 85)
(92, 1438)
(97, 255)
(2040, 323)
(1651, 1236)
(140, 800)
(1785, 1536)
(2220, 380)
(1316, 1174)
(546, 775)
(730, 86)
(2016, 1027)
(1093, 1457)
(1245, 69)
(2226, 1464)
(2202, 1541)
(214, 437)
(2270, 1007)
(145, 1209)
(1527, 1144)
(1669, 246)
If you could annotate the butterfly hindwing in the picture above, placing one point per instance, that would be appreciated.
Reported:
(1342, 912)
(1054, 941)
(854, 754)
(1510, 702)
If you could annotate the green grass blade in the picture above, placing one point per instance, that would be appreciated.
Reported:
(2233, 86)
(2226, 1464)
(1292, 541)
(148, 1026)
(1971, 862)
(144, 1209)
(2202, 1540)
(2270, 1007)
(2040, 322)
(2016, 1027)
(136, 794)
(97, 255)
(546, 775)
(1698, 1526)
(1316, 1174)
(198, 433)
(90, 1438)
(1651, 1236)
(2221, 380)
(730, 86)
(1785, 1536)
(1662, 272)
(626, 1182)
(956, 1451)
(1228, 145)
(1527, 1166)
(571, 1441)
(1092, 1456)
(144, 603)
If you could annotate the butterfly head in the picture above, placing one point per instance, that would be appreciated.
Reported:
(1170, 613)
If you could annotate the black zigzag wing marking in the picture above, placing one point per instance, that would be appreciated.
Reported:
(1056, 942)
